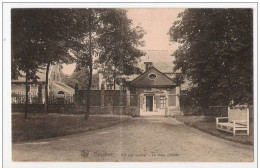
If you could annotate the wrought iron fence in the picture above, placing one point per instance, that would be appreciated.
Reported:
(61, 98)
(34, 98)
(20, 98)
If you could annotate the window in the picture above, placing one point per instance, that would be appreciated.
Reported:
(162, 101)
(60, 92)
(152, 76)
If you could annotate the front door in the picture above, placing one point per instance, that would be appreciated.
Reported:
(149, 103)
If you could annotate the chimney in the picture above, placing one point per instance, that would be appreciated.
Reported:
(148, 65)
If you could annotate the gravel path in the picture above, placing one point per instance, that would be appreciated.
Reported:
(140, 139)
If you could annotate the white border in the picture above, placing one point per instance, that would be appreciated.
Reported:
(7, 85)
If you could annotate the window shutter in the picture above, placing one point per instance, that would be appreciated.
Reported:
(157, 101)
(141, 102)
(173, 91)
(172, 100)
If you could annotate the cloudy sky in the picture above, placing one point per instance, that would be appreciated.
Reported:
(156, 23)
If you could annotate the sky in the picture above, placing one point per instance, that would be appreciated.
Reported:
(156, 22)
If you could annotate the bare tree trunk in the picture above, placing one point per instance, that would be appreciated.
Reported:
(26, 94)
(90, 70)
(89, 92)
(47, 87)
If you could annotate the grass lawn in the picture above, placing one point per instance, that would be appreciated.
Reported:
(41, 126)
(208, 125)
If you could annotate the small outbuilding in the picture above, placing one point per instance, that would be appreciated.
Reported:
(158, 93)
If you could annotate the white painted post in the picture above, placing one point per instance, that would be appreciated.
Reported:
(234, 128)
(177, 96)
(216, 122)
(228, 111)
(154, 103)
(144, 103)
(128, 98)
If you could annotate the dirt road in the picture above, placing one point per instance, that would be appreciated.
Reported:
(140, 139)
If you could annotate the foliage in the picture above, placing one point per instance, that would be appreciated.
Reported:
(42, 33)
(47, 32)
(119, 44)
(216, 54)
(79, 77)
(42, 37)
(25, 49)
(98, 33)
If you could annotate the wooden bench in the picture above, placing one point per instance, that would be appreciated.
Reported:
(237, 121)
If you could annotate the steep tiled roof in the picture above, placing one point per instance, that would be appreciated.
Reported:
(162, 60)
(56, 86)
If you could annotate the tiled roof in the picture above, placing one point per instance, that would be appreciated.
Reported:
(161, 59)
(56, 86)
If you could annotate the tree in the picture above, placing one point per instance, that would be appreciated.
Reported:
(52, 30)
(79, 77)
(83, 44)
(90, 44)
(216, 54)
(119, 44)
(24, 50)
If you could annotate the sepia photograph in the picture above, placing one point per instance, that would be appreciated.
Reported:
(132, 84)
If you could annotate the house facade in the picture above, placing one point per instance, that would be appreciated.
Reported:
(157, 93)
(56, 86)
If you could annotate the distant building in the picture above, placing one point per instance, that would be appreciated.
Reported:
(56, 84)
(158, 94)
(161, 59)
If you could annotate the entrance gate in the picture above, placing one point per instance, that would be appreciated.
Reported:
(148, 106)
(149, 103)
